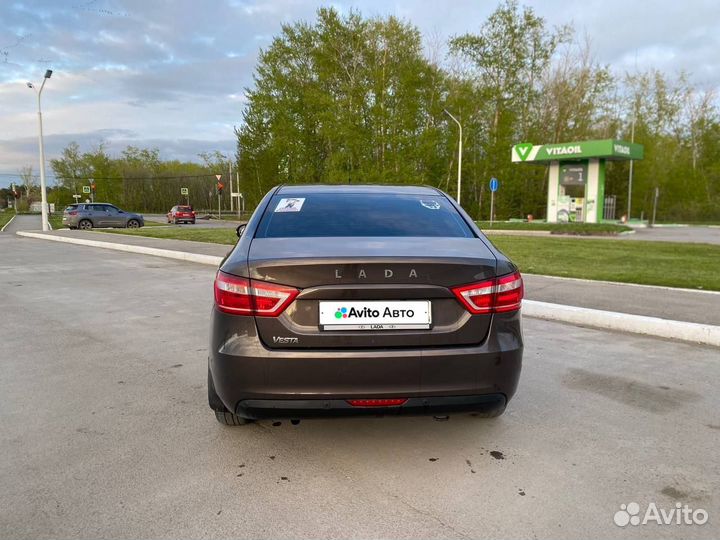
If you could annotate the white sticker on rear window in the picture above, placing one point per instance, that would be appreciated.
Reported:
(432, 205)
(290, 205)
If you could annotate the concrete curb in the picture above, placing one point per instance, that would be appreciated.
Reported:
(623, 284)
(211, 260)
(8, 223)
(704, 334)
(608, 320)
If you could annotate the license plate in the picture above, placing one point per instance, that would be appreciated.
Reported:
(376, 315)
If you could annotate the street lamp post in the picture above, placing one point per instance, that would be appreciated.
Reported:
(43, 191)
(630, 177)
(459, 154)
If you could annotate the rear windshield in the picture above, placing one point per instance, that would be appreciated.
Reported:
(361, 214)
(184, 208)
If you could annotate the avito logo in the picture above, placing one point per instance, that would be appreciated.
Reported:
(367, 313)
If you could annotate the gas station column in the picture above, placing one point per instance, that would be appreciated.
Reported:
(553, 191)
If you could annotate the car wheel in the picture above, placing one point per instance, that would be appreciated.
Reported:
(230, 419)
(133, 224)
(85, 225)
(222, 415)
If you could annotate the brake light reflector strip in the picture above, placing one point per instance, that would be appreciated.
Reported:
(242, 296)
(497, 295)
(392, 402)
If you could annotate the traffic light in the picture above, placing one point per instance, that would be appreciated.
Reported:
(220, 187)
(92, 187)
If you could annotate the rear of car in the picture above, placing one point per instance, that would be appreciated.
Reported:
(182, 214)
(71, 216)
(342, 300)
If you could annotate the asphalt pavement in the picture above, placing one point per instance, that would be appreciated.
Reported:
(24, 222)
(693, 235)
(106, 431)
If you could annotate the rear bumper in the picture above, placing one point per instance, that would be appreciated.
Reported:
(311, 408)
(255, 381)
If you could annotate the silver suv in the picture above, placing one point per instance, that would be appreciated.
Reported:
(88, 215)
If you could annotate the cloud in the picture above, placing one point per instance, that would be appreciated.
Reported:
(170, 73)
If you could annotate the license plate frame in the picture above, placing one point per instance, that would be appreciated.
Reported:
(373, 315)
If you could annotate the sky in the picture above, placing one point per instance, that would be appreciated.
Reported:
(172, 74)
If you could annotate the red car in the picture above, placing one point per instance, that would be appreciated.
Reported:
(181, 214)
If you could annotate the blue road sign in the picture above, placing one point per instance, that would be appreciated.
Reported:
(494, 184)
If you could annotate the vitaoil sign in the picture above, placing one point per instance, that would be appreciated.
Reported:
(608, 149)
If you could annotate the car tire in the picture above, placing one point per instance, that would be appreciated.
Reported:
(133, 224)
(230, 419)
(85, 225)
(222, 415)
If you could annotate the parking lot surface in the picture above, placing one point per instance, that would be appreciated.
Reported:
(106, 433)
(702, 235)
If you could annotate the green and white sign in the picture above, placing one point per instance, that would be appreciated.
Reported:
(86, 189)
(184, 191)
(606, 149)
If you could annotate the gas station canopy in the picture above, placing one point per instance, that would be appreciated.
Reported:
(609, 149)
(576, 175)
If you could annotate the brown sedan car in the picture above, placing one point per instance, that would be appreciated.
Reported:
(347, 300)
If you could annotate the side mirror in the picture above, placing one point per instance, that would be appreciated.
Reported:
(240, 229)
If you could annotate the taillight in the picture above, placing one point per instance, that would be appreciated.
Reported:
(391, 402)
(242, 296)
(496, 295)
(73, 213)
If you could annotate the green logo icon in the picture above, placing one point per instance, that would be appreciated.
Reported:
(523, 150)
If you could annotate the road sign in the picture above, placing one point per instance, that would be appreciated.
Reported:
(218, 176)
(184, 191)
(86, 189)
(76, 197)
(494, 185)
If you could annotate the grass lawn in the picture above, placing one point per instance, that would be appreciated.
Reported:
(690, 266)
(671, 264)
(217, 236)
(582, 229)
(6, 216)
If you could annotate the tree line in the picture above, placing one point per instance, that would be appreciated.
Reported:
(139, 179)
(346, 99)
(351, 99)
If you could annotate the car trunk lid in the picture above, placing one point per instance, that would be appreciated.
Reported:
(336, 273)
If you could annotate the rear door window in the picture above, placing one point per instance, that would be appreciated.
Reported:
(361, 214)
